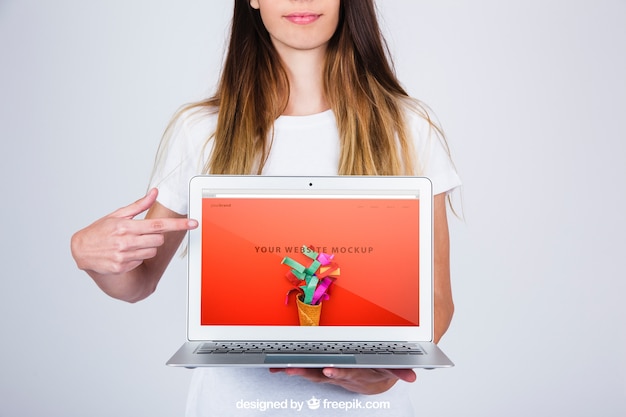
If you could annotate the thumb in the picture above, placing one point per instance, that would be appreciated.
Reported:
(407, 375)
(138, 207)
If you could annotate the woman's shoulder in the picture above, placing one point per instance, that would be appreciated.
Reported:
(419, 116)
(196, 116)
(431, 146)
(190, 128)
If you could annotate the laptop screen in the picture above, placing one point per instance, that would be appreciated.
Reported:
(352, 259)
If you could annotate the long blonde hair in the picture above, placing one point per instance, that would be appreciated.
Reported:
(360, 86)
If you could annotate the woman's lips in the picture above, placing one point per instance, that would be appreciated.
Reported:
(302, 18)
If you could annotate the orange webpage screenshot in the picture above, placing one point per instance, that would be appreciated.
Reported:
(264, 256)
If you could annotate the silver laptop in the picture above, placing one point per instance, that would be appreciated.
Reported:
(310, 272)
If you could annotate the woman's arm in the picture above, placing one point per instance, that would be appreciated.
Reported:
(376, 381)
(127, 257)
(444, 305)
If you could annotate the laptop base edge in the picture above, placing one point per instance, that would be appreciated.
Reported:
(432, 358)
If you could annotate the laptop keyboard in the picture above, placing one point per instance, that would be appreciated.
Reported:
(348, 348)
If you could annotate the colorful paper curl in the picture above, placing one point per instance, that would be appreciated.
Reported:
(315, 280)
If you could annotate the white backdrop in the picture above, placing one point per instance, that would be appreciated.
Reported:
(532, 95)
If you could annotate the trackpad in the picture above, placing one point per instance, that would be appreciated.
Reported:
(314, 359)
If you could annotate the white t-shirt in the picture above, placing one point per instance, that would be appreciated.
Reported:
(303, 145)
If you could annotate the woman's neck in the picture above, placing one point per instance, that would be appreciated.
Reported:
(306, 87)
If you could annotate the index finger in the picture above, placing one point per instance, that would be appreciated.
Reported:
(165, 225)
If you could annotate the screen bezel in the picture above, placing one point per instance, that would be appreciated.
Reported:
(339, 185)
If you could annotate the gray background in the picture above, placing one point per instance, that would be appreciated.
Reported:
(532, 95)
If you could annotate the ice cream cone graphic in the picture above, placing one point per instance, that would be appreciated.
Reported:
(309, 314)
(312, 284)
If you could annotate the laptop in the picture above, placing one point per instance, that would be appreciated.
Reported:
(310, 272)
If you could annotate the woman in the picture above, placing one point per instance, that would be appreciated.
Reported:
(306, 89)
